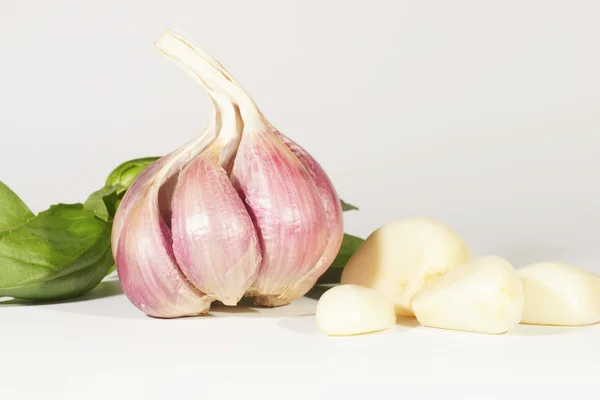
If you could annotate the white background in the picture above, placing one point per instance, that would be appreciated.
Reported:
(483, 114)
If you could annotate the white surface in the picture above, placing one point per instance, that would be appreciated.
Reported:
(482, 114)
(104, 348)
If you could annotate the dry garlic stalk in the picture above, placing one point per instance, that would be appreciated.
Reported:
(242, 210)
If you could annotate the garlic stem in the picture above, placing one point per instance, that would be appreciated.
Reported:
(195, 62)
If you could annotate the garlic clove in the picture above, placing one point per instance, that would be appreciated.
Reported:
(333, 210)
(559, 294)
(483, 296)
(288, 213)
(214, 239)
(351, 309)
(401, 257)
(147, 269)
(142, 241)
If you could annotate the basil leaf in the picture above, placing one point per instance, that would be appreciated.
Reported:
(61, 253)
(126, 172)
(13, 211)
(104, 202)
(347, 206)
(349, 246)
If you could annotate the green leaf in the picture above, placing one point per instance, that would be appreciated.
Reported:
(61, 253)
(125, 173)
(104, 202)
(347, 206)
(13, 211)
(349, 246)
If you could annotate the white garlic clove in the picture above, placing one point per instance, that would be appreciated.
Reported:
(559, 294)
(351, 310)
(401, 257)
(483, 296)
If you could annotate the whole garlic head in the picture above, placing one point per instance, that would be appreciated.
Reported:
(401, 257)
(242, 210)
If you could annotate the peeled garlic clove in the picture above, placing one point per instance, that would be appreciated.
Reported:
(298, 225)
(483, 296)
(351, 309)
(559, 294)
(401, 257)
(215, 242)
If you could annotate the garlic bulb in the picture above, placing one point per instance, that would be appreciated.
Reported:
(351, 310)
(559, 294)
(482, 296)
(401, 257)
(240, 211)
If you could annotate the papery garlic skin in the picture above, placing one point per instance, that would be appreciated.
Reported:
(402, 256)
(287, 211)
(559, 294)
(351, 310)
(147, 269)
(333, 210)
(214, 239)
(483, 296)
(142, 241)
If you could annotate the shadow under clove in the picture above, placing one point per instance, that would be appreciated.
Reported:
(317, 291)
(407, 322)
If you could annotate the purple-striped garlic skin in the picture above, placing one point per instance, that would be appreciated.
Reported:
(333, 209)
(214, 240)
(288, 212)
(130, 198)
(148, 272)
